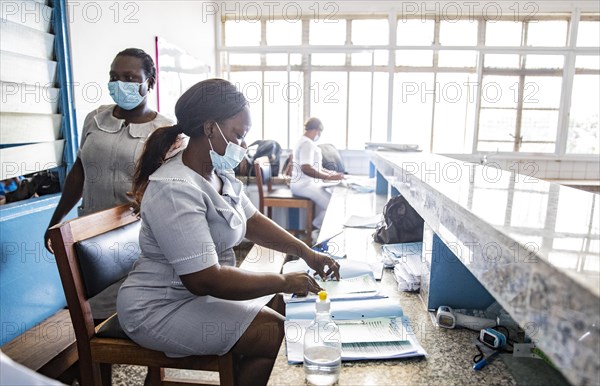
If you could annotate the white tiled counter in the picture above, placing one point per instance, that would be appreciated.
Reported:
(534, 246)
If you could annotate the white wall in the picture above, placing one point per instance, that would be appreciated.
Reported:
(100, 29)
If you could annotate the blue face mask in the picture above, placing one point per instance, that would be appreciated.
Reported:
(126, 94)
(234, 154)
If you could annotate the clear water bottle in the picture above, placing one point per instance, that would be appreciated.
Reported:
(322, 346)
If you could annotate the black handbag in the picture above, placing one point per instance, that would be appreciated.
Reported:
(401, 223)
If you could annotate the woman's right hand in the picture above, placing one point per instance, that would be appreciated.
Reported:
(301, 283)
(48, 242)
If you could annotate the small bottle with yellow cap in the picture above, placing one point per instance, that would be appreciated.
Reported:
(322, 346)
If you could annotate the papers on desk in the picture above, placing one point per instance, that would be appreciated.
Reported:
(360, 184)
(358, 287)
(407, 263)
(363, 222)
(370, 329)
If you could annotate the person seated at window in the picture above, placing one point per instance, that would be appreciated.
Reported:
(308, 173)
(184, 295)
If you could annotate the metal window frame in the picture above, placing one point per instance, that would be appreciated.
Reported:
(569, 51)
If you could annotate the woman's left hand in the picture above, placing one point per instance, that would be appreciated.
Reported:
(324, 265)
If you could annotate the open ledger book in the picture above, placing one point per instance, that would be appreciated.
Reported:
(369, 329)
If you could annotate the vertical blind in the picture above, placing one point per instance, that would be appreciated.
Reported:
(32, 117)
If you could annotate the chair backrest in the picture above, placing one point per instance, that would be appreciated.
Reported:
(262, 169)
(91, 253)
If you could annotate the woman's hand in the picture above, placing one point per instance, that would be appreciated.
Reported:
(301, 283)
(48, 242)
(335, 176)
(323, 265)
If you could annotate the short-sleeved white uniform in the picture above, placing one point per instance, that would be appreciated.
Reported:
(307, 152)
(187, 226)
(108, 152)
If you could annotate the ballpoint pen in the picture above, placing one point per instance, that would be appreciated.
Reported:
(484, 361)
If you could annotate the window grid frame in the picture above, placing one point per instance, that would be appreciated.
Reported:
(570, 51)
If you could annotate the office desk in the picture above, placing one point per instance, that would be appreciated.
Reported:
(450, 352)
(534, 246)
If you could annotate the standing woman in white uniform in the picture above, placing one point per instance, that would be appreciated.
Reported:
(308, 172)
(184, 295)
(112, 139)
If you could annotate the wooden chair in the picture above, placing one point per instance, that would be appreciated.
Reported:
(92, 252)
(281, 197)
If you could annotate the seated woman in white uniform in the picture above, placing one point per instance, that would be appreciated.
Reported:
(184, 295)
(308, 173)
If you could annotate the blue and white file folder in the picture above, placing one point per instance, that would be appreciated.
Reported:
(369, 328)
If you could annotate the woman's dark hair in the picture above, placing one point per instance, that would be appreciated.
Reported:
(212, 100)
(147, 62)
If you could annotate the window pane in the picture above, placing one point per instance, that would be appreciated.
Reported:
(328, 59)
(284, 32)
(244, 59)
(503, 33)
(537, 148)
(459, 33)
(412, 109)
(539, 125)
(380, 107)
(497, 124)
(378, 58)
(275, 107)
(293, 93)
(328, 103)
(414, 32)
(495, 146)
(545, 61)
(588, 34)
(366, 32)
(588, 62)
(454, 113)
(551, 33)
(242, 33)
(250, 84)
(583, 119)
(499, 91)
(282, 59)
(542, 92)
(414, 58)
(359, 110)
(457, 59)
(501, 61)
(327, 32)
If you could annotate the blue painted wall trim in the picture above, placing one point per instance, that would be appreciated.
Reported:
(381, 184)
(451, 283)
(30, 287)
(65, 82)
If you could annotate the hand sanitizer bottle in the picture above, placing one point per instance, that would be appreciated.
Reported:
(322, 346)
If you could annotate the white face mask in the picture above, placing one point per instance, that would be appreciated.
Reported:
(234, 154)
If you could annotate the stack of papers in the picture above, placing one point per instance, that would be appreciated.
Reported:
(363, 222)
(407, 263)
(369, 329)
(360, 184)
